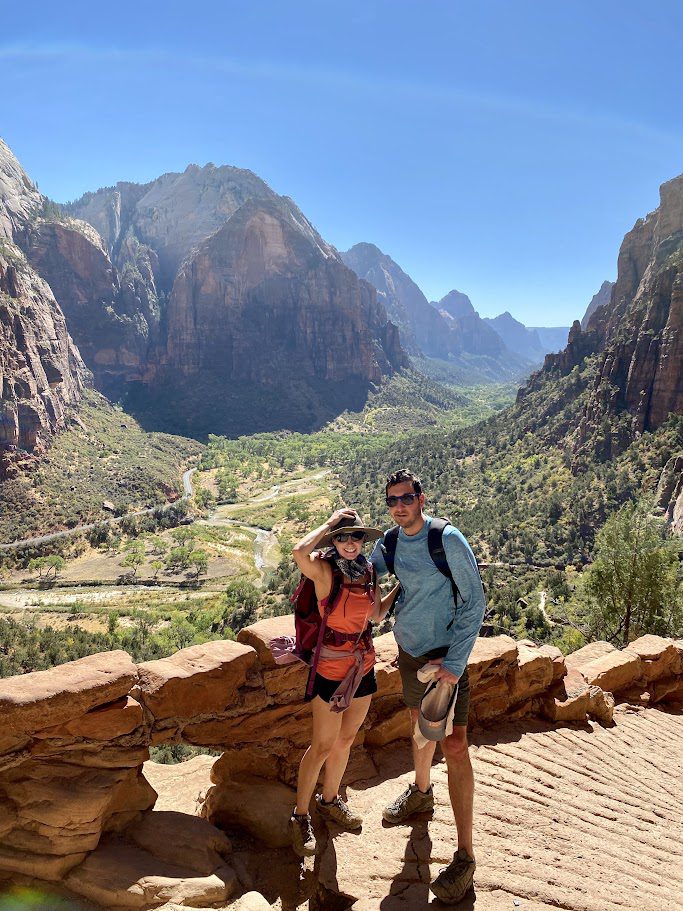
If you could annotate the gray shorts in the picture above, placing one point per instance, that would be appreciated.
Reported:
(413, 689)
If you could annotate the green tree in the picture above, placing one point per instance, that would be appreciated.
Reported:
(204, 498)
(178, 559)
(48, 567)
(199, 561)
(241, 604)
(633, 586)
(133, 559)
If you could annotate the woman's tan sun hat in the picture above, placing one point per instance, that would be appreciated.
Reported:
(349, 525)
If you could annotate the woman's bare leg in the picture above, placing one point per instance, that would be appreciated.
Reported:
(338, 758)
(326, 727)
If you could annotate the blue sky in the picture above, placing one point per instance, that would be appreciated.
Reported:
(502, 148)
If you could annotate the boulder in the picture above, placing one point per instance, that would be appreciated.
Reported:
(258, 636)
(123, 876)
(659, 657)
(668, 690)
(260, 806)
(491, 658)
(588, 653)
(286, 684)
(532, 674)
(38, 866)
(600, 706)
(31, 702)
(568, 701)
(557, 658)
(199, 680)
(388, 720)
(182, 785)
(250, 901)
(282, 721)
(62, 809)
(186, 841)
(386, 668)
(614, 671)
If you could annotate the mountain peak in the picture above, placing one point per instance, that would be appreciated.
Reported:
(457, 304)
(19, 196)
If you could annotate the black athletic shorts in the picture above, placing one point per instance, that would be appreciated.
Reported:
(326, 688)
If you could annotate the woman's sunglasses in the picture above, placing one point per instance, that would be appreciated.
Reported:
(345, 535)
(406, 499)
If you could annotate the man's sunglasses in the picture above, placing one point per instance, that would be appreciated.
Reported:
(345, 535)
(406, 499)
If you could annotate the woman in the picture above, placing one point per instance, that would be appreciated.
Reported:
(358, 601)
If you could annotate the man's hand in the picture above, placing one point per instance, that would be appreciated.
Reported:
(443, 674)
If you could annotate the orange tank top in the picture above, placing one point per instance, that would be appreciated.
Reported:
(350, 615)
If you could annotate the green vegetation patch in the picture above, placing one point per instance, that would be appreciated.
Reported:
(104, 456)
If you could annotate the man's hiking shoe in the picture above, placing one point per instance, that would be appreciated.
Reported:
(301, 834)
(455, 880)
(408, 804)
(339, 813)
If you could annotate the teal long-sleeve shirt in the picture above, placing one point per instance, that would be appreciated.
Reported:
(425, 605)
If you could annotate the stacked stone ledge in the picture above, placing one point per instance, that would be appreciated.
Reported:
(75, 806)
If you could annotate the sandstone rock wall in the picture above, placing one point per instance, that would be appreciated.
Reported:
(637, 335)
(113, 317)
(41, 371)
(74, 739)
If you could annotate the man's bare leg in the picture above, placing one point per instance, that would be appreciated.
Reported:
(422, 759)
(460, 784)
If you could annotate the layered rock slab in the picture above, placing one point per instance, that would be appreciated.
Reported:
(559, 816)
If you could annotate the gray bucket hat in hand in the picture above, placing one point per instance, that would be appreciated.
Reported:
(351, 525)
(436, 709)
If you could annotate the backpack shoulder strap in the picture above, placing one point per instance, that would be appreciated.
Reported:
(438, 553)
(389, 548)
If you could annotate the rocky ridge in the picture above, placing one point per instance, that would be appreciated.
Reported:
(634, 340)
(449, 330)
(41, 371)
(600, 299)
(77, 808)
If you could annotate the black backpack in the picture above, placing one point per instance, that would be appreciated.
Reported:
(436, 552)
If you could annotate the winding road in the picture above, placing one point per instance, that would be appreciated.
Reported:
(79, 529)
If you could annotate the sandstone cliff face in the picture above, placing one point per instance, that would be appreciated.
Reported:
(600, 299)
(422, 328)
(111, 317)
(430, 329)
(41, 372)
(517, 337)
(171, 214)
(19, 198)
(640, 335)
(637, 336)
(266, 302)
(229, 284)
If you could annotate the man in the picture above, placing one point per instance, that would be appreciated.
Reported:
(430, 628)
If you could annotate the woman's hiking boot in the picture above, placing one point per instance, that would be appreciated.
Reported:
(455, 880)
(408, 804)
(338, 812)
(301, 835)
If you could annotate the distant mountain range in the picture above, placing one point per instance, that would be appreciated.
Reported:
(202, 300)
(499, 349)
(206, 302)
